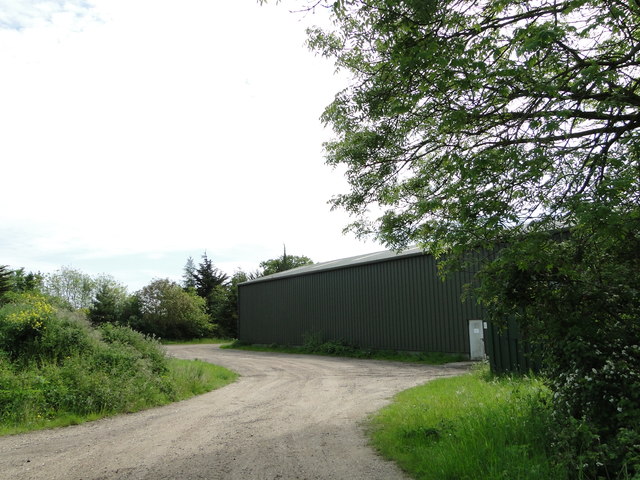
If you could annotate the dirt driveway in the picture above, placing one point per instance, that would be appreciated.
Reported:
(288, 417)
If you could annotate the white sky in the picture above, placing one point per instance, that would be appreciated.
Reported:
(137, 133)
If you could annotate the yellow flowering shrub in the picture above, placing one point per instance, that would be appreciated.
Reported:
(34, 314)
(23, 319)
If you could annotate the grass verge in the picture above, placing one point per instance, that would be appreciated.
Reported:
(471, 427)
(187, 379)
(340, 349)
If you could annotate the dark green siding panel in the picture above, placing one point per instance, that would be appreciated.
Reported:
(509, 351)
(399, 304)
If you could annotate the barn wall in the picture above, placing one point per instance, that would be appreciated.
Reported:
(399, 304)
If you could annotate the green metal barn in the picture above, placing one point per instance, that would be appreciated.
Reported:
(383, 300)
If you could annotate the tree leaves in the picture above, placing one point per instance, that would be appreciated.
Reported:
(508, 133)
(439, 85)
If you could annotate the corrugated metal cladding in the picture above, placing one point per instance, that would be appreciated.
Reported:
(397, 304)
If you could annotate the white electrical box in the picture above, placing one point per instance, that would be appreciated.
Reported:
(476, 340)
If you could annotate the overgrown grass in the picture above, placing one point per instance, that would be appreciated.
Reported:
(471, 427)
(56, 370)
(342, 349)
(187, 378)
(195, 377)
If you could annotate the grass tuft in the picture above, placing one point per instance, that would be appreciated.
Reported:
(195, 377)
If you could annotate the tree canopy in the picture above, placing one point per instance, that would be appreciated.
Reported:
(166, 310)
(5, 280)
(74, 287)
(283, 263)
(206, 277)
(511, 125)
(468, 120)
(188, 278)
(109, 303)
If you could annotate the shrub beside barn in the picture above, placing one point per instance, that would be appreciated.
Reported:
(384, 300)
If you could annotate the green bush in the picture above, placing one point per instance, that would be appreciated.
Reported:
(23, 322)
(109, 304)
(55, 369)
(576, 296)
(68, 335)
(313, 343)
(33, 330)
(597, 402)
(52, 362)
(147, 347)
(167, 311)
(21, 393)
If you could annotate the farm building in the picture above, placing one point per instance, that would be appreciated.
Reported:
(383, 300)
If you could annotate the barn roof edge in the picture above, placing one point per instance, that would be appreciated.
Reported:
(357, 260)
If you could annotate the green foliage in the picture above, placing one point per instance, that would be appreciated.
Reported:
(471, 125)
(228, 312)
(469, 427)
(207, 277)
(283, 263)
(5, 281)
(578, 298)
(194, 377)
(26, 282)
(75, 288)
(313, 343)
(54, 362)
(131, 312)
(188, 278)
(223, 307)
(26, 325)
(466, 119)
(167, 311)
(210, 284)
(17, 281)
(109, 304)
(55, 369)
(145, 347)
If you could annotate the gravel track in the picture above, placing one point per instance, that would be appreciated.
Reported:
(287, 417)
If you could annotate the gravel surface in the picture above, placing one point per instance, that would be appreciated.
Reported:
(287, 417)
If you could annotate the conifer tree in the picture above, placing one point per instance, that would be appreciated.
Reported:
(5, 280)
(188, 278)
(207, 277)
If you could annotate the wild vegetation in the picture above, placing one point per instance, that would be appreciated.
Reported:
(75, 347)
(56, 369)
(507, 133)
(204, 304)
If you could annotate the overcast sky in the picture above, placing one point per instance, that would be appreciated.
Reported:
(137, 133)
